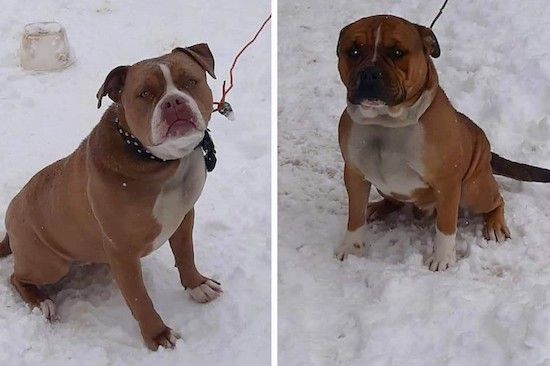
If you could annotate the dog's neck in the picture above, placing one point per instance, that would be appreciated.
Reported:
(397, 116)
(133, 144)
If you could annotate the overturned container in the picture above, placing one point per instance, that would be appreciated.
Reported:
(45, 47)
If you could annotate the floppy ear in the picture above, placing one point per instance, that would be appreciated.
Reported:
(201, 54)
(340, 39)
(113, 84)
(429, 41)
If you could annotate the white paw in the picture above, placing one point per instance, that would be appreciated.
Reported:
(169, 339)
(354, 243)
(48, 309)
(444, 252)
(206, 292)
(173, 337)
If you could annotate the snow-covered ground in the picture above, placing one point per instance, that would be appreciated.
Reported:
(493, 307)
(45, 116)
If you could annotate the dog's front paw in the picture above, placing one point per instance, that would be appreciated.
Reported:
(206, 291)
(439, 261)
(166, 338)
(354, 243)
(444, 252)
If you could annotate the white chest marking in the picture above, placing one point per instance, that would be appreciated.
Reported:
(390, 158)
(178, 195)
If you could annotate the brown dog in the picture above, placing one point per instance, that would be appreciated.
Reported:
(130, 186)
(400, 133)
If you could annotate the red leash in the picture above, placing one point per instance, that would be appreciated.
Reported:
(222, 106)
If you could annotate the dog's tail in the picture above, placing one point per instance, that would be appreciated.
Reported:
(5, 249)
(518, 171)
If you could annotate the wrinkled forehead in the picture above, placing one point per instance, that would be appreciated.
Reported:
(150, 71)
(385, 30)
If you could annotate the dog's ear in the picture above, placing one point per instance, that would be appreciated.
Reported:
(429, 41)
(340, 39)
(201, 54)
(113, 84)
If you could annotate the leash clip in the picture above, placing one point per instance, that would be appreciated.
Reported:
(227, 111)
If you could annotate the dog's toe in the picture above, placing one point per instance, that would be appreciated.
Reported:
(206, 292)
(495, 226)
(354, 243)
(357, 248)
(167, 339)
(496, 232)
(438, 262)
(48, 309)
(441, 259)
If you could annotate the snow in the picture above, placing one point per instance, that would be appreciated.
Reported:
(493, 306)
(46, 115)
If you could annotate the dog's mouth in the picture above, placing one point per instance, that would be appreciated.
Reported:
(180, 127)
(175, 128)
(369, 104)
(178, 122)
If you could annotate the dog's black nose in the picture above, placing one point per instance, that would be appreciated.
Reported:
(371, 75)
(370, 84)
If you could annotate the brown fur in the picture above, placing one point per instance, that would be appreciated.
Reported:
(96, 205)
(456, 155)
(5, 249)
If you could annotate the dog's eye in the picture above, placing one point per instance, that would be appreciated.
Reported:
(189, 83)
(396, 53)
(353, 52)
(145, 94)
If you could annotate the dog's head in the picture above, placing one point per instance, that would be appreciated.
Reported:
(167, 102)
(384, 62)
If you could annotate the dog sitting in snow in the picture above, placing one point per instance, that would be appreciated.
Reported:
(129, 187)
(401, 134)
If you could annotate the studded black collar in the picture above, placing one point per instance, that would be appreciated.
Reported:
(207, 146)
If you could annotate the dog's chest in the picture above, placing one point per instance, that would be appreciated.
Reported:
(178, 195)
(390, 158)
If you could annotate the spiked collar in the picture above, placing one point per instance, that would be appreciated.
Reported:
(207, 146)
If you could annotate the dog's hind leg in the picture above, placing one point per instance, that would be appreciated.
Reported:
(481, 195)
(35, 265)
(495, 225)
(35, 297)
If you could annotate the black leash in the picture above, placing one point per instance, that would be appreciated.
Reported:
(207, 146)
(438, 14)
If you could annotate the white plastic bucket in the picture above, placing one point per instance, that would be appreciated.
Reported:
(45, 47)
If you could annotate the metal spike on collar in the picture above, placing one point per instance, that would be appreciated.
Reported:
(134, 143)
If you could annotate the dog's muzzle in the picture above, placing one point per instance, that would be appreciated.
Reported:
(370, 86)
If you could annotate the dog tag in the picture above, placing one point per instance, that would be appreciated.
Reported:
(227, 111)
